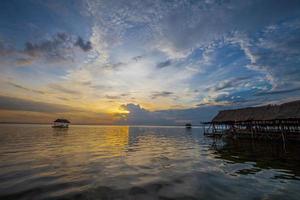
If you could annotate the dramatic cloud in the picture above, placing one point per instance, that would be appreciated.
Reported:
(278, 92)
(232, 83)
(165, 61)
(139, 115)
(11, 103)
(59, 47)
(116, 96)
(85, 46)
(161, 94)
(164, 64)
(26, 89)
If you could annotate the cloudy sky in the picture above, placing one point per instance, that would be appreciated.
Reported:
(145, 62)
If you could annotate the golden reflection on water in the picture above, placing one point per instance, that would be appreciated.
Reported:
(105, 142)
(112, 161)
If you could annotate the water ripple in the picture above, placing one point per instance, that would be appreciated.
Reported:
(101, 162)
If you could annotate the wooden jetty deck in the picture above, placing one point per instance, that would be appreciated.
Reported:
(272, 122)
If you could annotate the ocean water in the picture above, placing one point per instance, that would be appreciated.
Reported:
(123, 162)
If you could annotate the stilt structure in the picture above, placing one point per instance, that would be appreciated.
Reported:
(274, 122)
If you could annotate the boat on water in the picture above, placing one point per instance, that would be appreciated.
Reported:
(188, 126)
(61, 123)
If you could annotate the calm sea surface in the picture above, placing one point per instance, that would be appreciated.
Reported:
(106, 162)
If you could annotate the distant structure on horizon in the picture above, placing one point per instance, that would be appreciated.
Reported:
(61, 123)
(264, 122)
(188, 125)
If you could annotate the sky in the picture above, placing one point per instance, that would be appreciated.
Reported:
(153, 62)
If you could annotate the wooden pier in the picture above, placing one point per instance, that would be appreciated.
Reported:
(272, 122)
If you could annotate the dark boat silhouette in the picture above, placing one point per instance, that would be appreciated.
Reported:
(188, 125)
(61, 123)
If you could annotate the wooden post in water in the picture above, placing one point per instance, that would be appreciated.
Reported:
(251, 127)
(282, 135)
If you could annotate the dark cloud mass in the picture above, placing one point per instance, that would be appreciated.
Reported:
(112, 96)
(85, 46)
(11, 103)
(214, 20)
(231, 83)
(59, 46)
(164, 64)
(161, 94)
(138, 58)
(139, 115)
(200, 55)
(50, 47)
(117, 96)
(278, 92)
(55, 46)
(25, 88)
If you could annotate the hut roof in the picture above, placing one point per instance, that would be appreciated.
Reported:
(290, 110)
(62, 120)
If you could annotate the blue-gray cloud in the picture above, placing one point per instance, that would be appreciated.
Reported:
(278, 92)
(58, 47)
(235, 52)
(112, 97)
(231, 83)
(55, 46)
(161, 94)
(194, 24)
(85, 46)
(25, 88)
(164, 64)
(139, 115)
(17, 104)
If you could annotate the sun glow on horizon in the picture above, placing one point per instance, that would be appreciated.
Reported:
(145, 62)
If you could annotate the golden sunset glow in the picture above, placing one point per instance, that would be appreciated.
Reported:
(147, 63)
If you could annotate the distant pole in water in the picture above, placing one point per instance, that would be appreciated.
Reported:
(188, 125)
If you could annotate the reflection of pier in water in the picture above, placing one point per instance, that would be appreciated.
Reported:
(264, 154)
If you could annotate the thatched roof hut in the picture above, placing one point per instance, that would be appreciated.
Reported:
(289, 110)
(62, 121)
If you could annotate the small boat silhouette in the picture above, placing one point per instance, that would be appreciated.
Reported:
(188, 125)
(61, 123)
